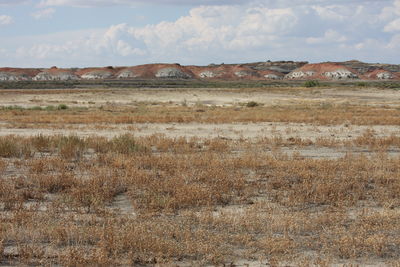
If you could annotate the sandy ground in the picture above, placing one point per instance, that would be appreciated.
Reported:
(226, 130)
(218, 97)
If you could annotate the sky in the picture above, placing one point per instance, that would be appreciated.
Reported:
(83, 33)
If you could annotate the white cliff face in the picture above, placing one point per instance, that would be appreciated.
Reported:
(384, 76)
(272, 77)
(300, 74)
(126, 74)
(10, 77)
(340, 74)
(62, 76)
(172, 73)
(96, 75)
(209, 74)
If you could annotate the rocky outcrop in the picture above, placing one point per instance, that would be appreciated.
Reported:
(55, 76)
(4, 76)
(244, 74)
(323, 71)
(172, 73)
(300, 74)
(272, 77)
(97, 75)
(384, 75)
(127, 74)
(15, 74)
(365, 68)
(340, 74)
(209, 74)
(380, 74)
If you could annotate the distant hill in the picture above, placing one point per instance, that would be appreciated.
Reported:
(270, 70)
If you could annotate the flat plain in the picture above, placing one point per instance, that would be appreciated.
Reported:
(198, 176)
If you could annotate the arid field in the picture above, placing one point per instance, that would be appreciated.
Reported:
(277, 176)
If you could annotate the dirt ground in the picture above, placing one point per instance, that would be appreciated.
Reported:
(217, 97)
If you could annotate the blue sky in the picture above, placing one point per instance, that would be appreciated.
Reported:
(78, 33)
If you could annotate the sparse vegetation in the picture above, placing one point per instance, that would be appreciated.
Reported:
(143, 199)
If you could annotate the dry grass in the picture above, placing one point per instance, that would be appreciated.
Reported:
(194, 201)
(318, 114)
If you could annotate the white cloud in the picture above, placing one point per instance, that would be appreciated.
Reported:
(13, 2)
(394, 42)
(390, 12)
(330, 36)
(219, 27)
(314, 30)
(93, 3)
(332, 12)
(393, 26)
(44, 13)
(5, 20)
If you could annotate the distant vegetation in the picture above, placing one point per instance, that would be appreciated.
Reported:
(170, 83)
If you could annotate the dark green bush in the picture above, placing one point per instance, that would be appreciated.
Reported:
(62, 107)
(311, 84)
(252, 104)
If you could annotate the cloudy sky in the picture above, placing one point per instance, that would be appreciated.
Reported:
(77, 33)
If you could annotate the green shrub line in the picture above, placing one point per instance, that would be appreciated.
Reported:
(48, 108)
(192, 83)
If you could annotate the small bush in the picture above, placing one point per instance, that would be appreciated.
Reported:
(126, 144)
(9, 148)
(311, 84)
(62, 107)
(252, 104)
(71, 146)
(361, 84)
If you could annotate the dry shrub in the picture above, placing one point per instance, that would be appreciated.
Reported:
(186, 181)
(372, 234)
(3, 165)
(70, 147)
(49, 165)
(277, 246)
(9, 147)
(217, 145)
(93, 193)
(126, 144)
(197, 201)
(41, 143)
(180, 145)
(297, 113)
(54, 183)
(9, 198)
(335, 182)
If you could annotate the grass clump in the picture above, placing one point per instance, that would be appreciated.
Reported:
(126, 144)
(311, 84)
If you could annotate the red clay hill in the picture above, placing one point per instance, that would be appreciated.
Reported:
(278, 70)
